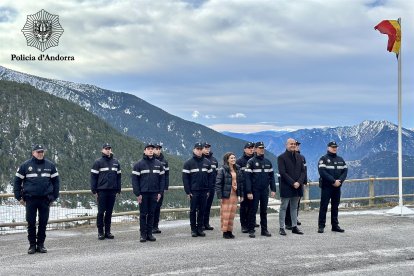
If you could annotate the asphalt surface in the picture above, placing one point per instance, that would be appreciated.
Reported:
(373, 244)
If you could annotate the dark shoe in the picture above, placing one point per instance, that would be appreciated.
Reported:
(252, 235)
(299, 223)
(208, 227)
(245, 230)
(143, 238)
(150, 237)
(257, 225)
(320, 230)
(282, 232)
(226, 235)
(32, 249)
(288, 227)
(156, 231)
(101, 236)
(230, 234)
(194, 234)
(201, 234)
(109, 236)
(266, 233)
(338, 229)
(41, 248)
(296, 230)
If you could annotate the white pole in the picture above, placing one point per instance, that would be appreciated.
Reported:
(399, 129)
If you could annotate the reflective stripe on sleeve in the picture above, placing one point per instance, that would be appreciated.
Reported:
(54, 175)
(94, 171)
(186, 171)
(194, 170)
(268, 170)
(118, 172)
(136, 173)
(20, 176)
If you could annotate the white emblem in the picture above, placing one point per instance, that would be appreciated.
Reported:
(30, 169)
(257, 164)
(329, 161)
(320, 161)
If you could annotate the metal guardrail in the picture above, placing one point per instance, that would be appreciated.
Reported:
(306, 201)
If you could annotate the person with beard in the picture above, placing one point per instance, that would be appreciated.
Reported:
(288, 219)
(148, 179)
(333, 171)
(36, 186)
(208, 154)
(229, 188)
(197, 181)
(105, 185)
(259, 177)
(246, 204)
(159, 156)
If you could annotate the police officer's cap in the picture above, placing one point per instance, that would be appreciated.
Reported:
(158, 146)
(332, 144)
(38, 147)
(149, 145)
(249, 145)
(206, 145)
(259, 145)
(106, 145)
(297, 143)
(198, 145)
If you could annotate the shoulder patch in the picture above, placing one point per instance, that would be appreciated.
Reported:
(321, 161)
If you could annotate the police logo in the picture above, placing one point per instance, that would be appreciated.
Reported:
(329, 160)
(30, 169)
(42, 30)
(320, 161)
(257, 164)
(39, 170)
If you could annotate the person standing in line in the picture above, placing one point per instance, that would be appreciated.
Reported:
(288, 219)
(36, 186)
(333, 171)
(259, 177)
(197, 180)
(105, 185)
(229, 188)
(159, 156)
(148, 179)
(292, 175)
(208, 154)
(246, 204)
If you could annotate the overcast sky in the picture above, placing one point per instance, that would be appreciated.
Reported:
(239, 65)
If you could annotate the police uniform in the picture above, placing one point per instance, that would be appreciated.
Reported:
(259, 177)
(105, 183)
(211, 192)
(331, 167)
(197, 180)
(148, 180)
(246, 204)
(37, 184)
(164, 162)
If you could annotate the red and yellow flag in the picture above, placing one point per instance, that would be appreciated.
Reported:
(393, 29)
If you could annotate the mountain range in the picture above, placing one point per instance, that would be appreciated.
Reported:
(133, 116)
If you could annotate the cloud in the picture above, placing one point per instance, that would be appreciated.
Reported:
(195, 114)
(237, 115)
(210, 116)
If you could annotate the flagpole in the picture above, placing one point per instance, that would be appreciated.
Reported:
(400, 203)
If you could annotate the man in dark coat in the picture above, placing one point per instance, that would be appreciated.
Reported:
(288, 219)
(292, 176)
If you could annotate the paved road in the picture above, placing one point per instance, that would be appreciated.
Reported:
(373, 244)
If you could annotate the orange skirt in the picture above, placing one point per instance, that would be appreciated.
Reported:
(228, 211)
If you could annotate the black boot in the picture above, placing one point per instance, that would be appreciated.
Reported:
(226, 235)
(230, 234)
(41, 248)
(32, 249)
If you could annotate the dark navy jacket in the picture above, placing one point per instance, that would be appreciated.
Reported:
(197, 175)
(36, 178)
(106, 174)
(164, 163)
(332, 167)
(242, 162)
(214, 167)
(259, 175)
(148, 176)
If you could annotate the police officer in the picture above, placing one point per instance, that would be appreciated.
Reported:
(105, 185)
(246, 204)
(148, 179)
(259, 177)
(159, 156)
(36, 186)
(333, 171)
(198, 181)
(208, 154)
(288, 219)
